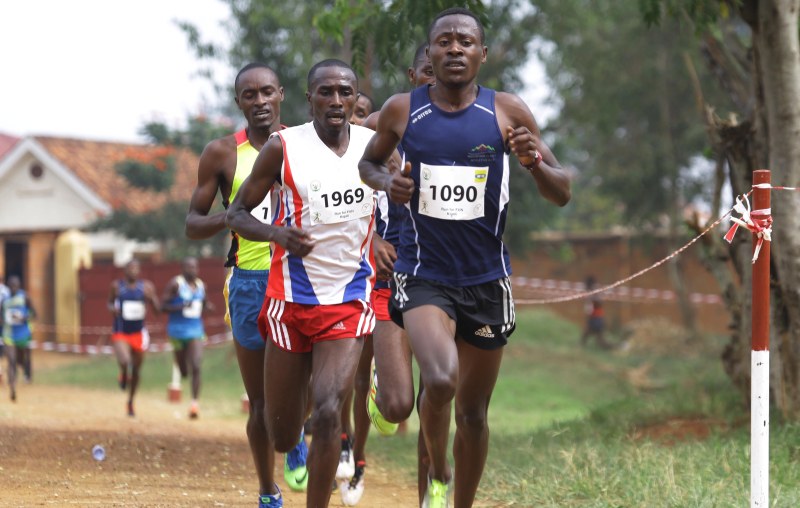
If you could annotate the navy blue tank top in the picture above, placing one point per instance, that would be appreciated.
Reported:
(131, 304)
(458, 210)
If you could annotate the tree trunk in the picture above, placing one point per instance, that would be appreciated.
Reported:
(776, 37)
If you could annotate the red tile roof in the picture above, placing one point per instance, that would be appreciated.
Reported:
(93, 162)
(7, 142)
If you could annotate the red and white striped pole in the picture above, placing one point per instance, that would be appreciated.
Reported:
(759, 370)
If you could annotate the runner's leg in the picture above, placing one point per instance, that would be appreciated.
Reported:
(251, 367)
(478, 370)
(334, 369)
(431, 333)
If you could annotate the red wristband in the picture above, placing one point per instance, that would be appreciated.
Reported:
(537, 159)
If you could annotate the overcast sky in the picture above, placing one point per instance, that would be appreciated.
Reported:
(99, 69)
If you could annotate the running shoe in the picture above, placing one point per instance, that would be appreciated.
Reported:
(294, 466)
(346, 468)
(13, 395)
(270, 500)
(131, 412)
(194, 410)
(353, 490)
(384, 427)
(437, 495)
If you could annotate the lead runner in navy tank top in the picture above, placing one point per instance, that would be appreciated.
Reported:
(454, 233)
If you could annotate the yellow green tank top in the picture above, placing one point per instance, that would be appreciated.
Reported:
(246, 254)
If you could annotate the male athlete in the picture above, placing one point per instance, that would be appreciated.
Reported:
(225, 163)
(317, 308)
(451, 290)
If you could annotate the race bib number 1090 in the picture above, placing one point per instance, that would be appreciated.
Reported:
(452, 192)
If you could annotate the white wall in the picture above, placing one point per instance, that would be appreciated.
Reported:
(46, 203)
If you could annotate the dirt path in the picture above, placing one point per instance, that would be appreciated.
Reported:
(158, 459)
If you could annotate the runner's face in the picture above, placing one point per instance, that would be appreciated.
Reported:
(132, 270)
(456, 51)
(259, 97)
(332, 97)
(190, 269)
(361, 111)
(421, 73)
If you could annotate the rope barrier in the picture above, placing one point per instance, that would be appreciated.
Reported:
(757, 221)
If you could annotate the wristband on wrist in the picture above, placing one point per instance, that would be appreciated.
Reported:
(537, 159)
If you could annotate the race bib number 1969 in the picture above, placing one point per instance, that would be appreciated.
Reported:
(337, 201)
(452, 192)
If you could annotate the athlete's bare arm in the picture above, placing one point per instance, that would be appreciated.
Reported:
(170, 292)
(252, 192)
(389, 130)
(112, 298)
(215, 172)
(150, 296)
(522, 134)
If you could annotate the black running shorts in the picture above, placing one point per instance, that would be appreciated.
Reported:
(484, 313)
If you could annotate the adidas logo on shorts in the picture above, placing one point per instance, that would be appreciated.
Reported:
(338, 326)
(485, 331)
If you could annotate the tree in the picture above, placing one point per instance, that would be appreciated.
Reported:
(200, 129)
(628, 118)
(163, 225)
(761, 72)
(154, 169)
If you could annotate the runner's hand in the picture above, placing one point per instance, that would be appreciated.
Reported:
(400, 187)
(525, 146)
(295, 240)
(385, 256)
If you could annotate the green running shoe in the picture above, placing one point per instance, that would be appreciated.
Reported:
(437, 495)
(383, 426)
(294, 466)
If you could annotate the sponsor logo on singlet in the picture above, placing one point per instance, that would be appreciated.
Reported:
(482, 154)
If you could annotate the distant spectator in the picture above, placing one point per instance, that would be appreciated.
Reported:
(595, 318)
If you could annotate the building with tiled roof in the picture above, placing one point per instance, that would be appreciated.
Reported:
(7, 141)
(51, 188)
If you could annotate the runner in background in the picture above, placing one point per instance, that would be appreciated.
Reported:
(127, 302)
(185, 300)
(364, 107)
(17, 311)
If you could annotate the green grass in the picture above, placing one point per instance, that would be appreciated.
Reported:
(568, 428)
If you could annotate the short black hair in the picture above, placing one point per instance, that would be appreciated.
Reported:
(419, 54)
(252, 65)
(369, 99)
(453, 11)
(329, 62)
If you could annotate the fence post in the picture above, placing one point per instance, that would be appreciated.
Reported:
(759, 361)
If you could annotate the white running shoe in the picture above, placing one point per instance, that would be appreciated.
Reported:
(353, 490)
(347, 467)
